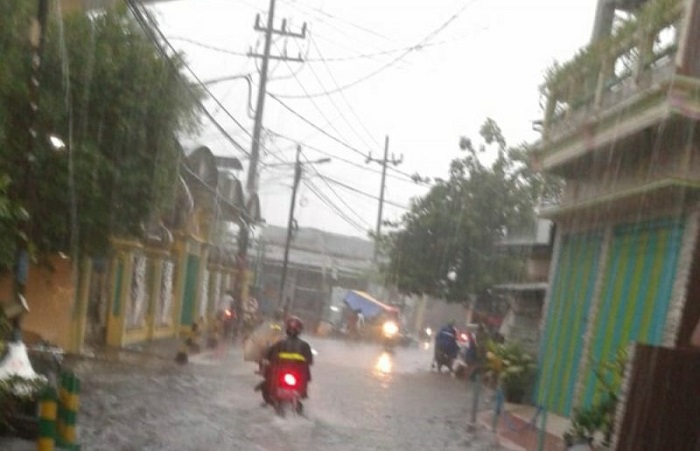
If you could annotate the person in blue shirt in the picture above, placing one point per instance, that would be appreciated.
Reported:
(446, 347)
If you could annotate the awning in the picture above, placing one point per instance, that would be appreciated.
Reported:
(359, 300)
(535, 286)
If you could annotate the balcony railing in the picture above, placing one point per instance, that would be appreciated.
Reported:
(639, 54)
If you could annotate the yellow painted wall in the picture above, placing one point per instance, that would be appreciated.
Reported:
(50, 295)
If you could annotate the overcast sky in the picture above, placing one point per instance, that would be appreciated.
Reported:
(423, 72)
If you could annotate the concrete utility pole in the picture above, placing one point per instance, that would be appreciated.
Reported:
(290, 222)
(604, 18)
(251, 182)
(290, 226)
(384, 162)
(252, 177)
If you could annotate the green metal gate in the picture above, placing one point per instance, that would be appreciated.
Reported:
(567, 319)
(637, 288)
(189, 294)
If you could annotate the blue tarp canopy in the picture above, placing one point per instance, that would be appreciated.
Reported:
(359, 300)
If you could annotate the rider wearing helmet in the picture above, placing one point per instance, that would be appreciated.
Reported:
(292, 345)
(446, 342)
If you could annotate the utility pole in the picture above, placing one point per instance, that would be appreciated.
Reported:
(290, 221)
(290, 226)
(251, 182)
(252, 176)
(384, 162)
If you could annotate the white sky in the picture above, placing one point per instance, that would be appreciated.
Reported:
(488, 62)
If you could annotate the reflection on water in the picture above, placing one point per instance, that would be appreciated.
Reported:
(384, 364)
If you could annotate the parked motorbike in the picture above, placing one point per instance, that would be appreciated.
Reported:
(390, 335)
(285, 385)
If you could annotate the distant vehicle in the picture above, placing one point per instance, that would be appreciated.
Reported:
(390, 335)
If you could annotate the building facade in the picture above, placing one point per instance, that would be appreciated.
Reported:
(152, 286)
(620, 127)
(318, 262)
(525, 297)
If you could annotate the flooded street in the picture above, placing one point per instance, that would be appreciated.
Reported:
(360, 398)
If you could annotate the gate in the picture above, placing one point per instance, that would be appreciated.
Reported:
(662, 406)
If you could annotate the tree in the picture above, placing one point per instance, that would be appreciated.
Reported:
(14, 70)
(119, 104)
(445, 245)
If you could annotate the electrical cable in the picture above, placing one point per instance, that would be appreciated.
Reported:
(342, 94)
(291, 110)
(370, 55)
(207, 46)
(382, 68)
(355, 190)
(342, 115)
(346, 36)
(333, 207)
(288, 108)
(329, 15)
(149, 26)
(350, 209)
(349, 162)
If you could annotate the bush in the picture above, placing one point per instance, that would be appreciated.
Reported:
(510, 367)
(19, 397)
(598, 419)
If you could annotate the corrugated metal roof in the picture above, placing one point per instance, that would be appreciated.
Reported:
(321, 242)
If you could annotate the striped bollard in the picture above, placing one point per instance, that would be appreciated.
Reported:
(68, 411)
(48, 404)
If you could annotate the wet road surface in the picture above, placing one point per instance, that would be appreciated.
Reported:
(361, 398)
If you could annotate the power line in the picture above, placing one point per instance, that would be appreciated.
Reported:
(333, 207)
(344, 144)
(208, 46)
(407, 179)
(288, 108)
(342, 94)
(342, 115)
(370, 55)
(382, 68)
(329, 15)
(355, 190)
(350, 36)
(149, 26)
(325, 152)
(357, 215)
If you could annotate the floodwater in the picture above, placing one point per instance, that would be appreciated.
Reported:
(360, 398)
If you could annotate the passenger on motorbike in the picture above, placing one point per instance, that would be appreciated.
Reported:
(446, 347)
(293, 346)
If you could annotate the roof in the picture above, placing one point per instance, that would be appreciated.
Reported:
(359, 300)
(321, 242)
(533, 286)
(300, 257)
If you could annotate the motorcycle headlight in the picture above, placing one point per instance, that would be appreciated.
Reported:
(390, 328)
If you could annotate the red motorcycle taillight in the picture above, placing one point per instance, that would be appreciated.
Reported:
(289, 379)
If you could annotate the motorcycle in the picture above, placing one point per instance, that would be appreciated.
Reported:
(390, 335)
(443, 358)
(229, 323)
(285, 384)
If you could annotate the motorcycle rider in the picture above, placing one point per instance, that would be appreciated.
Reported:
(291, 344)
(446, 342)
